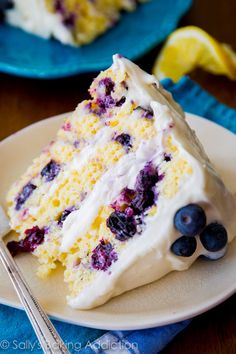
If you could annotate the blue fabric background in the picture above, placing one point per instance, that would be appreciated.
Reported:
(194, 99)
(14, 324)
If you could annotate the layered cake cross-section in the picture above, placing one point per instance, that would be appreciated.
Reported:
(124, 194)
(74, 22)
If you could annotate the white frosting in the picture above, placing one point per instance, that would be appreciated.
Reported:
(33, 16)
(105, 191)
(147, 257)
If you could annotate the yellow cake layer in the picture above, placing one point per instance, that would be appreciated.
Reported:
(88, 19)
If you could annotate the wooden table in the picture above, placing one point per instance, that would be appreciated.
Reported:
(24, 101)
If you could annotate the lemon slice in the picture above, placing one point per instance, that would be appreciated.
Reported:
(190, 47)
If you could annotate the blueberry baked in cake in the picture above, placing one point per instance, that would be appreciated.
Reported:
(75, 22)
(123, 195)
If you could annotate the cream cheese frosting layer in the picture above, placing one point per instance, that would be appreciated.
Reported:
(33, 17)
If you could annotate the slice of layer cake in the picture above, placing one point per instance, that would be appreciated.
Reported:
(123, 195)
(73, 22)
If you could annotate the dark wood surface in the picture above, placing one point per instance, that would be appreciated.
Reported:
(24, 101)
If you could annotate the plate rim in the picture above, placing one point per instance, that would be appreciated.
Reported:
(145, 324)
(149, 321)
(147, 44)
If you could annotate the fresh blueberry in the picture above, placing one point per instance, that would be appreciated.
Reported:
(142, 201)
(125, 140)
(34, 237)
(190, 220)
(122, 225)
(103, 256)
(24, 195)
(50, 171)
(184, 246)
(214, 237)
(214, 256)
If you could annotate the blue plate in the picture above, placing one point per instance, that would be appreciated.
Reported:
(26, 55)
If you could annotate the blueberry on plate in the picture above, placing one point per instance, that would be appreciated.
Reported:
(190, 220)
(214, 237)
(184, 246)
(214, 256)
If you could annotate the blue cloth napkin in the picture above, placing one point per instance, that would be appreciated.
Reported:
(194, 99)
(16, 334)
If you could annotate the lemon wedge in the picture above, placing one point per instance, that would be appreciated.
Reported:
(190, 47)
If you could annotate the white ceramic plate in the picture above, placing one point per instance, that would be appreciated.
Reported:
(177, 296)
